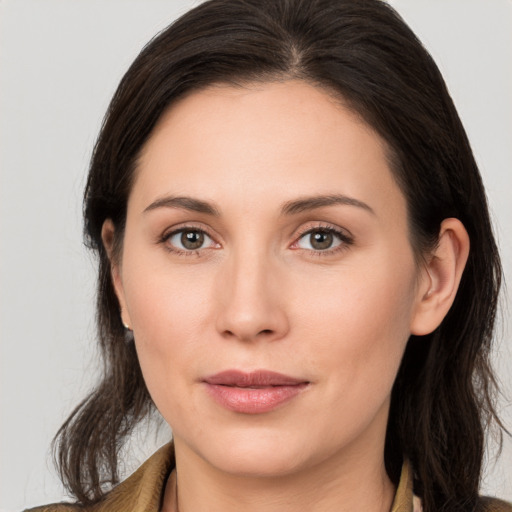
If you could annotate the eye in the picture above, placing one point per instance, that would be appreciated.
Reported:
(322, 239)
(189, 239)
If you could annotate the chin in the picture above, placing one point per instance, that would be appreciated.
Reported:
(258, 454)
(260, 464)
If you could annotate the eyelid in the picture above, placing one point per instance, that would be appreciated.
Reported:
(183, 227)
(189, 226)
(344, 235)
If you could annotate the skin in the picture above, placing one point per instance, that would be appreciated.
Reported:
(259, 294)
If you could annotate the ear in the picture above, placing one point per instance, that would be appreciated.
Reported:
(440, 277)
(107, 236)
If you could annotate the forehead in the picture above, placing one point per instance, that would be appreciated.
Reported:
(293, 109)
(264, 140)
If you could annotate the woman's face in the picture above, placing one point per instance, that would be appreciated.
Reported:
(268, 277)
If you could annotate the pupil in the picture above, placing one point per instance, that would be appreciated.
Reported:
(321, 240)
(192, 239)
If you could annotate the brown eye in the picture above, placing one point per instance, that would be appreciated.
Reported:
(189, 240)
(320, 240)
(192, 239)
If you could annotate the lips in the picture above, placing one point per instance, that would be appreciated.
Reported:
(255, 392)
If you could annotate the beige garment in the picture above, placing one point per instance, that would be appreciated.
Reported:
(144, 490)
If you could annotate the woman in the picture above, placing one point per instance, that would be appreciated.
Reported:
(297, 269)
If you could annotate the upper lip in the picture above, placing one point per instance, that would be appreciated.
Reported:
(258, 378)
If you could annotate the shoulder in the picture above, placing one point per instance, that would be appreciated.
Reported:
(57, 507)
(495, 505)
(141, 492)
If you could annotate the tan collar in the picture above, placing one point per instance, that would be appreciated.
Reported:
(405, 501)
(144, 490)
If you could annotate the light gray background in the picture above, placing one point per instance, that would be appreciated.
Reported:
(60, 61)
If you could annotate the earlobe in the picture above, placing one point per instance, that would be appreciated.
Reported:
(441, 277)
(107, 236)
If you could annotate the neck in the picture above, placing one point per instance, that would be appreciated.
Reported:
(345, 482)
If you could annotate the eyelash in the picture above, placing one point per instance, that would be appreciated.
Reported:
(346, 240)
(180, 252)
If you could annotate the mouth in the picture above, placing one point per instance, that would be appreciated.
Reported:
(255, 392)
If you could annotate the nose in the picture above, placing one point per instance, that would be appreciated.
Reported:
(252, 301)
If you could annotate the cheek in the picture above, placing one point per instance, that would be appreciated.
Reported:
(168, 313)
(168, 308)
(167, 321)
(359, 325)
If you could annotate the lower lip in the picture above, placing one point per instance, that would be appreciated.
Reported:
(253, 400)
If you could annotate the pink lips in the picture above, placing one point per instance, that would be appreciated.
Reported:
(253, 393)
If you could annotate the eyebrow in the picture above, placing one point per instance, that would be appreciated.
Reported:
(288, 208)
(311, 203)
(185, 203)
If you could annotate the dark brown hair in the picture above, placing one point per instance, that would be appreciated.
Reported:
(361, 50)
